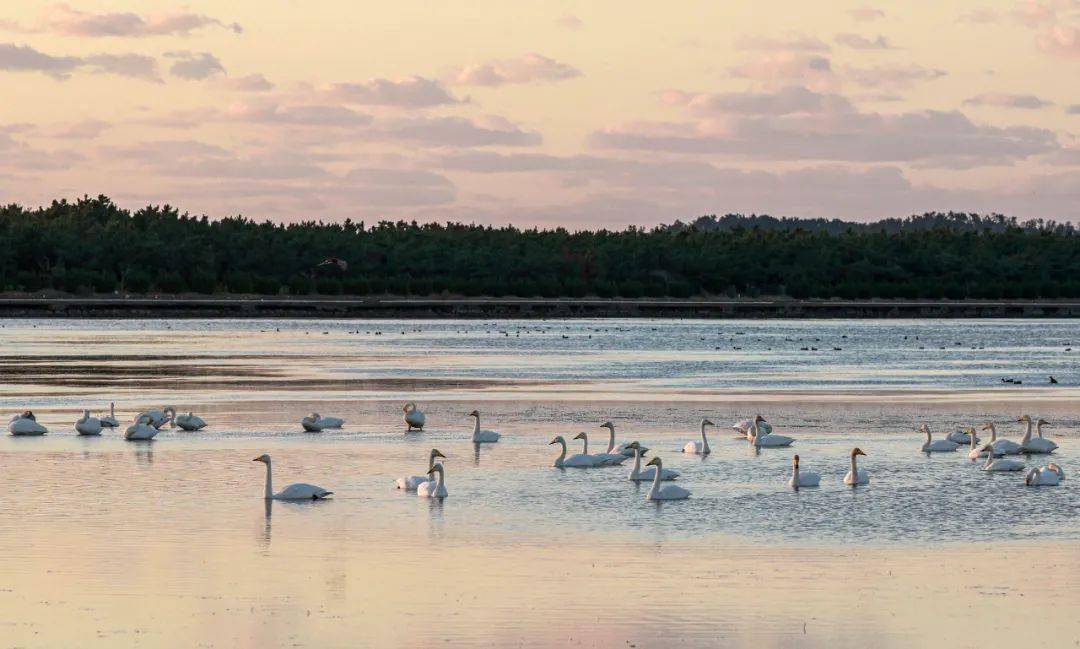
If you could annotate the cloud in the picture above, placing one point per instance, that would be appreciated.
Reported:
(892, 76)
(399, 187)
(786, 68)
(410, 92)
(526, 69)
(126, 65)
(194, 66)
(1073, 109)
(23, 58)
(85, 130)
(569, 21)
(786, 101)
(866, 14)
(1056, 23)
(248, 83)
(983, 16)
(1007, 100)
(790, 43)
(68, 21)
(457, 132)
(858, 42)
(1060, 40)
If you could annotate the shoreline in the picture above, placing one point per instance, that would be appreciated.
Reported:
(522, 308)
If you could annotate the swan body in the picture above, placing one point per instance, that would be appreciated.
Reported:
(702, 447)
(88, 425)
(1001, 446)
(746, 425)
(665, 492)
(1045, 476)
(940, 446)
(190, 422)
(856, 476)
(25, 424)
(976, 450)
(961, 436)
(802, 478)
(638, 475)
(158, 418)
(295, 491)
(1003, 464)
(621, 449)
(316, 423)
(575, 461)
(1038, 444)
(433, 488)
(413, 417)
(109, 420)
(411, 483)
(601, 459)
(141, 430)
(480, 436)
(760, 439)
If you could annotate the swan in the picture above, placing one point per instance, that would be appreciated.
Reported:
(25, 424)
(666, 492)
(88, 425)
(141, 430)
(702, 447)
(190, 422)
(856, 476)
(158, 418)
(759, 438)
(109, 420)
(1001, 446)
(977, 451)
(575, 461)
(410, 483)
(998, 465)
(746, 425)
(802, 478)
(433, 488)
(1038, 444)
(621, 449)
(961, 436)
(315, 423)
(601, 459)
(295, 491)
(637, 475)
(940, 446)
(482, 436)
(1044, 476)
(413, 417)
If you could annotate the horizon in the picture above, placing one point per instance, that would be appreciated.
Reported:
(584, 116)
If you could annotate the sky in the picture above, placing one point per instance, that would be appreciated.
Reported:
(597, 114)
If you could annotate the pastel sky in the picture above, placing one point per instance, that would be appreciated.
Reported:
(593, 114)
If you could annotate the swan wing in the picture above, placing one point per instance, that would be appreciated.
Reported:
(302, 491)
(410, 483)
(672, 492)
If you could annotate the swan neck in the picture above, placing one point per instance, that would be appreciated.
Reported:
(656, 479)
(112, 409)
(440, 479)
(562, 453)
(1038, 429)
(795, 473)
(585, 441)
(269, 483)
(1027, 434)
(611, 439)
(637, 463)
(993, 433)
(476, 426)
(854, 468)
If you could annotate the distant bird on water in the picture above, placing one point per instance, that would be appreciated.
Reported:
(1053, 381)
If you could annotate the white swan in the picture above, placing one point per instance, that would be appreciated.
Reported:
(999, 465)
(410, 483)
(482, 436)
(190, 422)
(639, 475)
(88, 425)
(962, 436)
(316, 423)
(1038, 444)
(109, 420)
(413, 417)
(665, 492)
(702, 447)
(601, 459)
(746, 425)
(940, 446)
(141, 430)
(575, 461)
(760, 439)
(295, 491)
(1044, 476)
(802, 478)
(856, 476)
(1001, 446)
(976, 450)
(621, 449)
(25, 424)
(158, 418)
(433, 488)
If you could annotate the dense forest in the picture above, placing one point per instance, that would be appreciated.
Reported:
(93, 246)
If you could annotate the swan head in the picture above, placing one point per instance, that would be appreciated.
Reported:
(608, 425)
(988, 427)
(1056, 469)
(1042, 422)
(758, 418)
(581, 435)
(1025, 418)
(795, 461)
(264, 458)
(409, 407)
(558, 439)
(857, 451)
(435, 468)
(437, 453)
(707, 422)
(474, 413)
(654, 462)
(923, 428)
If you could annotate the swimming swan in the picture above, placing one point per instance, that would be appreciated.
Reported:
(316, 423)
(1001, 446)
(702, 447)
(760, 439)
(1044, 476)
(88, 425)
(976, 450)
(665, 492)
(621, 449)
(638, 475)
(109, 420)
(413, 417)
(482, 436)
(190, 422)
(295, 491)
(601, 459)
(410, 483)
(961, 436)
(856, 476)
(802, 478)
(433, 488)
(25, 424)
(746, 425)
(158, 418)
(940, 446)
(575, 461)
(999, 465)
(141, 430)
(1038, 444)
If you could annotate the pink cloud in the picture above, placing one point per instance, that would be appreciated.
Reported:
(248, 83)
(410, 92)
(786, 68)
(569, 21)
(194, 66)
(786, 101)
(866, 14)
(66, 20)
(526, 69)
(23, 58)
(790, 43)
(892, 75)
(858, 42)
(1007, 100)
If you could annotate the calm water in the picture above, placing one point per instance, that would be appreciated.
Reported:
(169, 543)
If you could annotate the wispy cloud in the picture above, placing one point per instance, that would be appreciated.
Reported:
(859, 42)
(194, 66)
(569, 21)
(866, 14)
(526, 69)
(410, 92)
(23, 58)
(68, 21)
(1007, 100)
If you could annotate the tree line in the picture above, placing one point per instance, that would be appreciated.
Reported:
(93, 246)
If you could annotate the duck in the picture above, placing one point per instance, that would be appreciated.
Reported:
(88, 425)
(940, 446)
(433, 488)
(602, 459)
(141, 430)
(295, 491)
(746, 425)
(961, 436)
(665, 492)
(413, 417)
(639, 475)
(190, 422)
(702, 447)
(621, 449)
(802, 478)
(482, 436)
(1001, 446)
(109, 420)
(1001, 464)
(25, 425)
(158, 418)
(410, 483)
(856, 476)
(1045, 476)
(1040, 444)
(575, 461)
(760, 439)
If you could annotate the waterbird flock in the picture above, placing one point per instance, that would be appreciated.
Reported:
(756, 431)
